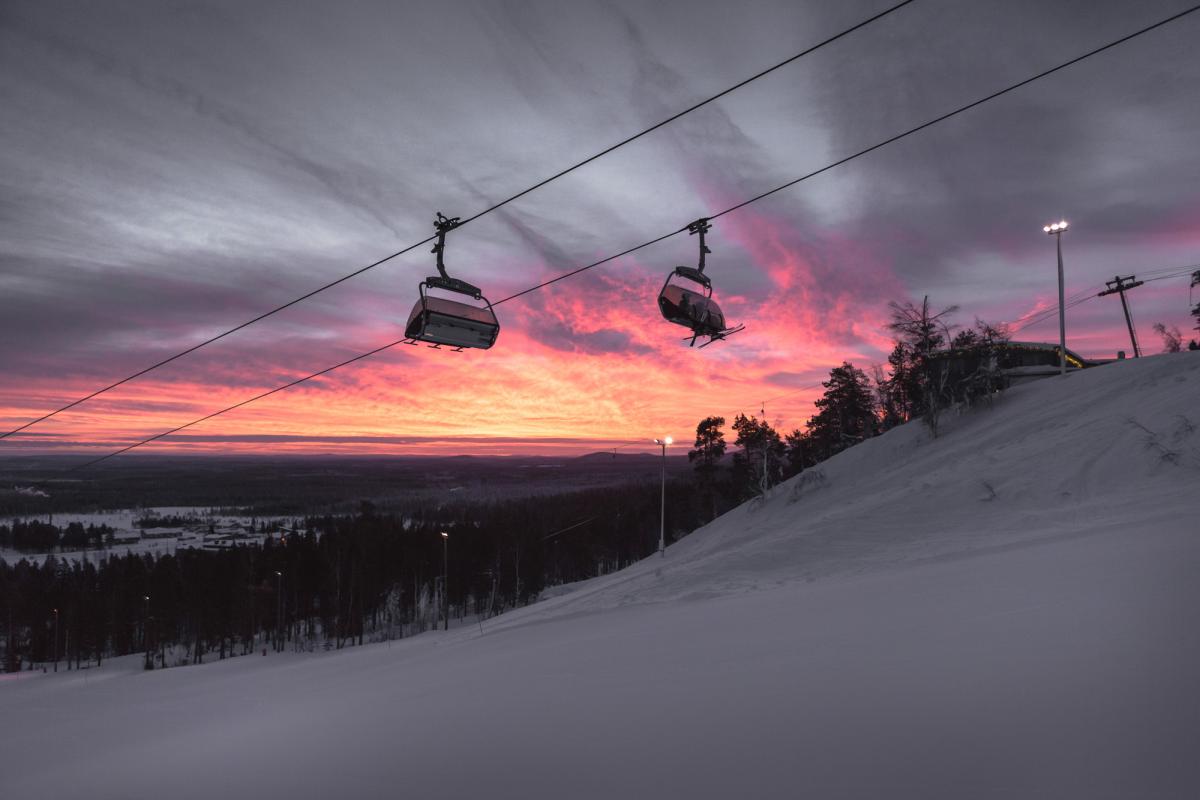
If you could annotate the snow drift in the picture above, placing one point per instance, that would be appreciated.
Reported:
(1007, 611)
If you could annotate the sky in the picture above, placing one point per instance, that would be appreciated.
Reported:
(171, 169)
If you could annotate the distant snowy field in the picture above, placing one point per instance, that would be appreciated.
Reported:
(1006, 612)
(156, 541)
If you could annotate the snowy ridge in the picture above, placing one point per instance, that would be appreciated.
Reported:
(1105, 448)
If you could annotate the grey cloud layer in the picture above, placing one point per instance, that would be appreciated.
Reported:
(168, 168)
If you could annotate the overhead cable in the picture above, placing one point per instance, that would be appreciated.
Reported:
(561, 173)
(655, 240)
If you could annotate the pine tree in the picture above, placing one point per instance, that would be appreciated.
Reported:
(846, 414)
(709, 448)
(710, 444)
(760, 462)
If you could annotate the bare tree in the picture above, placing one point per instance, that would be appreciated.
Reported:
(1172, 337)
(925, 331)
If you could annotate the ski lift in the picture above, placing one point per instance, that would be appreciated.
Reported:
(686, 297)
(442, 321)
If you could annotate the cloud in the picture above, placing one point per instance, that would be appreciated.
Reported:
(176, 172)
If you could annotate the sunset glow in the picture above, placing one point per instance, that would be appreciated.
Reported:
(135, 236)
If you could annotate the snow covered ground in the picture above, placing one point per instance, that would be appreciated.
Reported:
(1006, 612)
(157, 541)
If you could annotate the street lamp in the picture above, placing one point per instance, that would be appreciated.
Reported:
(446, 580)
(146, 630)
(662, 519)
(278, 611)
(1057, 229)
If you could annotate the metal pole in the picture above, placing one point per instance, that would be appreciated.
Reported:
(146, 630)
(662, 519)
(278, 611)
(765, 478)
(446, 581)
(1062, 313)
(56, 640)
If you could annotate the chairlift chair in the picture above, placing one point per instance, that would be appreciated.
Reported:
(686, 297)
(442, 321)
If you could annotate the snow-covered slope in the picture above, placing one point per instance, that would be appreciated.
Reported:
(1008, 611)
(1114, 447)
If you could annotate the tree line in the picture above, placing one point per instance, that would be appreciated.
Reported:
(35, 536)
(337, 581)
(344, 579)
(919, 382)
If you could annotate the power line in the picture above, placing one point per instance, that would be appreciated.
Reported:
(1049, 313)
(245, 402)
(568, 528)
(484, 212)
(655, 240)
(1178, 273)
(1084, 295)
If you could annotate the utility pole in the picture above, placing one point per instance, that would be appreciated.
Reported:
(1119, 286)
(1057, 229)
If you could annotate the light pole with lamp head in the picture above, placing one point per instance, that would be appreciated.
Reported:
(446, 581)
(662, 519)
(278, 610)
(146, 631)
(1057, 229)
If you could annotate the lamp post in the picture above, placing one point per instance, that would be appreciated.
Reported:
(146, 630)
(662, 518)
(446, 581)
(278, 610)
(56, 640)
(1057, 229)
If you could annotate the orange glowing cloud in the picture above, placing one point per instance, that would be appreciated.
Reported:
(583, 365)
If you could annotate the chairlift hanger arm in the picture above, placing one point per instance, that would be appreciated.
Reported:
(701, 226)
(443, 225)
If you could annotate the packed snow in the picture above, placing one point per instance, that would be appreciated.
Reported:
(1007, 611)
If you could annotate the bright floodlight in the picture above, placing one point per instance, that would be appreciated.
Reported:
(1046, 228)
(445, 535)
(1062, 225)
(669, 440)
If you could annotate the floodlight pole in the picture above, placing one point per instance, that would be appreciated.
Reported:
(1062, 311)
(56, 640)
(1056, 229)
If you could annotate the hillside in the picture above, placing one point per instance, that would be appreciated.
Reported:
(1007, 611)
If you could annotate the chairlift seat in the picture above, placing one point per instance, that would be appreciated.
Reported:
(692, 309)
(441, 321)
